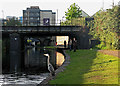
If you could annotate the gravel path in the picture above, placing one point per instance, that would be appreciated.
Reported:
(115, 53)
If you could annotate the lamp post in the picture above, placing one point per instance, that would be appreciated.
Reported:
(60, 22)
(63, 18)
(113, 3)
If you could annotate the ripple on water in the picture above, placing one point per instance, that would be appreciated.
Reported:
(32, 80)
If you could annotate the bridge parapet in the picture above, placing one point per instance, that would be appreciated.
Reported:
(22, 29)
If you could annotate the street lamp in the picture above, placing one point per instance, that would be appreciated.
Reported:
(63, 18)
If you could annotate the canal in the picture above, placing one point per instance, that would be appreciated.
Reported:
(32, 69)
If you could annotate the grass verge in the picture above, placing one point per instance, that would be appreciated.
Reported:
(50, 46)
(89, 67)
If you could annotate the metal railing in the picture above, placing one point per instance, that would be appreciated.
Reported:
(72, 22)
(40, 28)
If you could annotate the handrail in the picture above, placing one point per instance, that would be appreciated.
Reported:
(40, 28)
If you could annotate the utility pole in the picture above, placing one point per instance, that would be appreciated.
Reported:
(2, 14)
(2, 17)
(57, 16)
(103, 4)
(113, 3)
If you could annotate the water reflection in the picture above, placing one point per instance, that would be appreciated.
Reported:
(35, 66)
(29, 79)
(60, 59)
(35, 59)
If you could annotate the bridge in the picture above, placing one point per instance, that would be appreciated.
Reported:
(19, 32)
(40, 30)
(16, 35)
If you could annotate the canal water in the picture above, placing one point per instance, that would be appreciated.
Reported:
(32, 69)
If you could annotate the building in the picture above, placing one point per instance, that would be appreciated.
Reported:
(33, 16)
(3, 22)
(10, 17)
(21, 19)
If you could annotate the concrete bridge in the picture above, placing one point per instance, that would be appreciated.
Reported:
(16, 35)
(19, 32)
(40, 30)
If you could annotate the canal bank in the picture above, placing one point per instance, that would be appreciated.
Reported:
(89, 67)
(60, 69)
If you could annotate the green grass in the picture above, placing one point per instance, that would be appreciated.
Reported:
(101, 47)
(50, 46)
(89, 67)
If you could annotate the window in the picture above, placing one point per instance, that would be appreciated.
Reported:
(24, 24)
(25, 14)
(31, 24)
(31, 14)
(31, 18)
(38, 18)
(37, 14)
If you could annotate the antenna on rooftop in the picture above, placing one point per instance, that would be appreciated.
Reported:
(2, 14)
(103, 4)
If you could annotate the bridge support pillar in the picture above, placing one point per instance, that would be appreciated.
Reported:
(22, 53)
(15, 54)
(78, 43)
(82, 41)
(46, 41)
(41, 41)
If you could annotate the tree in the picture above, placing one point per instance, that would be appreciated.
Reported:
(13, 22)
(73, 12)
(106, 28)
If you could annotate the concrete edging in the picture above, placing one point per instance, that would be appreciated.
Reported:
(60, 69)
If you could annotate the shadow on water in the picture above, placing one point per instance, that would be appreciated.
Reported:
(33, 68)
(5, 56)
(34, 60)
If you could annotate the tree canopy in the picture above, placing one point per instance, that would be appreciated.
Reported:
(13, 22)
(106, 28)
(74, 11)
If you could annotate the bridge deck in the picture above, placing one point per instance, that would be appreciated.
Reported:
(29, 29)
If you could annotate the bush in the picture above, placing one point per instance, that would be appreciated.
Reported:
(106, 28)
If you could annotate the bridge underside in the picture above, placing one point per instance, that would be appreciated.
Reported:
(16, 36)
(78, 32)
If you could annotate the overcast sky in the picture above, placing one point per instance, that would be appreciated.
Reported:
(15, 7)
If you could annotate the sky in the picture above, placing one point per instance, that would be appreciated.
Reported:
(16, 7)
